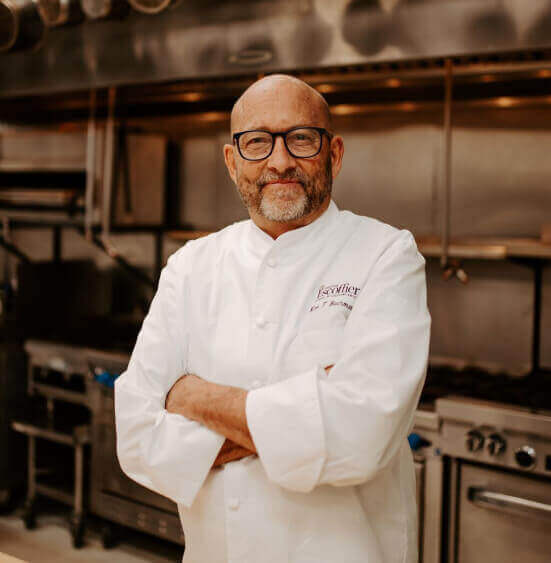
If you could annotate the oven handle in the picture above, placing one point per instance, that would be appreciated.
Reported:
(500, 501)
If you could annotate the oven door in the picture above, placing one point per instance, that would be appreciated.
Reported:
(503, 517)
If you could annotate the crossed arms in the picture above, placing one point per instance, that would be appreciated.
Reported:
(219, 407)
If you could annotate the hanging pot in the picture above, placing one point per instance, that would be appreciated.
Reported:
(312, 39)
(540, 31)
(152, 6)
(492, 28)
(366, 26)
(100, 9)
(59, 12)
(20, 25)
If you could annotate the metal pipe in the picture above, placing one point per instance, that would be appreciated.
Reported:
(536, 334)
(108, 167)
(447, 162)
(79, 479)
(14, 250)
(135, 272)
(31, 470)
(6, 265)
(90, 168)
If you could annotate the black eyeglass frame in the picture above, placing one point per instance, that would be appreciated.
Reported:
(282, 134)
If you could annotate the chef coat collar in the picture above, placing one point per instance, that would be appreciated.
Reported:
(294, 240)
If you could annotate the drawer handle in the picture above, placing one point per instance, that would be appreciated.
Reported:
(501, 501)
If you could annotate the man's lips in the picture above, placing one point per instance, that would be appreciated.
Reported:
(283, 182)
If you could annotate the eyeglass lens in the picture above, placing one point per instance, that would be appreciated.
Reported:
(301, 143)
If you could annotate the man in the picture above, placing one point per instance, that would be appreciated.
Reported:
(275, 378)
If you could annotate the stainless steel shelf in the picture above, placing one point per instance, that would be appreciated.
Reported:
(53, 392)
(78, 434)
(41, 166)
(486, 248)
(60, 495)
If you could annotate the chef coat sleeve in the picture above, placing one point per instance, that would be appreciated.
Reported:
(162, 451)
(343, 428)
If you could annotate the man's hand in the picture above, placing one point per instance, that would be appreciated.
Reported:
(231, 451)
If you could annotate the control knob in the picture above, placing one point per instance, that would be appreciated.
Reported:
(526, 457)
(496, 444)
(474, 440)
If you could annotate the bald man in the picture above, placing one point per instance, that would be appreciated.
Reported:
(275, 377)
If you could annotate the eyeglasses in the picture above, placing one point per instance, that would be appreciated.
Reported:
(301, 142)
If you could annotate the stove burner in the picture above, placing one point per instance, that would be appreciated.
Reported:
(531, 391)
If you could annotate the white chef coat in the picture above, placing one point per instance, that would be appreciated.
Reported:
(334, 479)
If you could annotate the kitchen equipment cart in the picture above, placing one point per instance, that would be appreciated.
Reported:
(56, 381)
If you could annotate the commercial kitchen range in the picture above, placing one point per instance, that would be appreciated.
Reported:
(485, 453)
(111, 131)
(482, 448)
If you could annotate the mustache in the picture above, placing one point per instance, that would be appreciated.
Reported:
(292, 175)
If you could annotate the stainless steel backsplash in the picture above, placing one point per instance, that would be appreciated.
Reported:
(392, 171)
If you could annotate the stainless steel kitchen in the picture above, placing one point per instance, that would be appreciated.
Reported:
(128, 151)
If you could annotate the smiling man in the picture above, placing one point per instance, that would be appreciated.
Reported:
(276, 375)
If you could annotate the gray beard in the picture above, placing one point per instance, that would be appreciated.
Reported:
(315, 191)
(282, 212)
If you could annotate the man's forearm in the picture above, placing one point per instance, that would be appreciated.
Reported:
(218, 407)
(223, 410)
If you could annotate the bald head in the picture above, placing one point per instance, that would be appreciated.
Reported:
(279, 92)
(281, 190)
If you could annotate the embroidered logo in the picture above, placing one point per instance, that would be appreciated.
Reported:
(337, 290)
(327, 293)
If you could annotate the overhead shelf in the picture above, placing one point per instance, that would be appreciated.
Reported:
(486, 248)
(44, 197)
(41, 166)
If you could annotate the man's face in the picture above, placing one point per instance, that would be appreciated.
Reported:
(281, 188)
(287, 192)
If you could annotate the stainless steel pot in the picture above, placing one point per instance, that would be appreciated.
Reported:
(152, 6)
(366, 26)
(99, 9)
(59, 12)
(20, 24)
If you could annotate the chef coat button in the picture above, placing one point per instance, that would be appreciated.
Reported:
(271, 262)
(233, 503)
(256, 384)
(260, 322)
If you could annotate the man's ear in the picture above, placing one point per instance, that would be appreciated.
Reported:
(337, 152)
(229, 159)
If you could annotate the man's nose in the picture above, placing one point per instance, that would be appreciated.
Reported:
(280, 159)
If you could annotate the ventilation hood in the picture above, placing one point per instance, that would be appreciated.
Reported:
(202, 39)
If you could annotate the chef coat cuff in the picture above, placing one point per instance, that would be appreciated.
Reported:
(162, 451)
(181, 456)
(286, 426)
